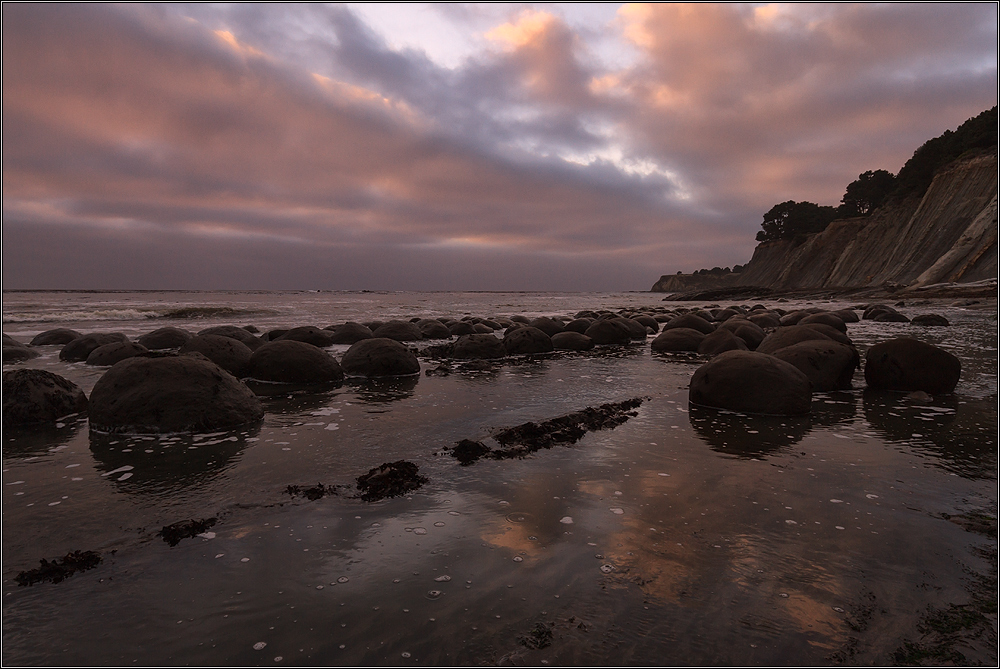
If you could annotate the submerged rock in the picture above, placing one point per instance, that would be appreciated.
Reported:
(32, 396)
(907, 364)
(350, 333)
(309, 334)
(155, 393)
(751, 382)
(468, 451)
(59, 336)
(14, 352)
(390, 479)
(930, 319)
(379, 357)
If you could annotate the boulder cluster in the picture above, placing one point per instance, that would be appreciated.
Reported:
(761, 360)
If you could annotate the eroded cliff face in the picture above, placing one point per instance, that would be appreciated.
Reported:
(676, 283)
(948, 235)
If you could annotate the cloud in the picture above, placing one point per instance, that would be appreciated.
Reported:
(297, 146)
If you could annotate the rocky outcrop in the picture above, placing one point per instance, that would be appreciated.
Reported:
(948, 235)
(676, 283)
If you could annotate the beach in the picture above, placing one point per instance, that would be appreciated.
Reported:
(680, 536)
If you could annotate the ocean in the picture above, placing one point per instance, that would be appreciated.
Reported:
(858, 534)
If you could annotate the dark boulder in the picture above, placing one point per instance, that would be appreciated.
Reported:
(930, 319)
(847, 315)
(547, 325)
(825, 318)
(431, 328)
(579, 325)
(568, 340)
(379, 357)
(237, 333)
(309, 334)
(891, 317)
(373, 325)
(873, 310)
(610, 332)
(793, 318)
(14, 352)
(525, 340)
(478, 346)
(59, 336)
(751, 382)
(164, 338)
(491, 324)
(831, 332)
(677, 339)
(907, 364)
(461, 328)
(109, 354)
(765, 320)
(636, 330)
(720, 341)
(520, 319)
(482, 329)
(398, 330)
(229, 353)
(723, 315)
(828, 364)
(32, 396)
(788, 335)
(80, 348)
(293, 361)
(170, 393)
(690, 321)
(751, 335)
(350, 333)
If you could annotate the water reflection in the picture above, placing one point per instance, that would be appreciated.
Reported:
(288, 398)
(747, 435)
(385, 390)
(833, 408)
(155, 464)
(960, 433)
(35, 440)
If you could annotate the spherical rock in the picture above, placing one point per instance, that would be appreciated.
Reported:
(293, 361)
(229, 353)
(14, 352)
(765, 320)
(793, 318)
(59, 336)
(478, 347)
(831, 332)
(525, 340)
(170, 393)
(609, 332)
(460, 328)
(233, 332)
(720, 341)
(825, 318)
(109, 354)
(568, 340)
(751, 335)
(164, 338)
(891, 317)
(398, 330)
(547, 325)
(847, 315)
(379, 357)
(788, 335)
(32, 396)
(690, 321)
(828, 364)
(431, 328)
(80, 348)
(908, 364)
(309, 334)
(751, 383)
(636, 330)
(350, 333)
(579, 325)
(677, 339)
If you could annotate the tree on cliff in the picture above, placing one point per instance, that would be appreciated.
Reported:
(867, 193)
(790, 220)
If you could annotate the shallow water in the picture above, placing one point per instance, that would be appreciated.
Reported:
(679, 537)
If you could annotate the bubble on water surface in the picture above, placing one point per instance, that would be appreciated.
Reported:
(616, 511)
(343, 579)
(443, 579)
(419, 530)
(566, 520)
(244, 559)
(260, 645)
(663, 474)
(454, 513)
(219, 555)
(838, 609)
(838, 527)
(404, 654)
(319, 587)
(607, 568)
(518, 558)
(783, 594)
(790, 522)
(837, 501)
(439, 524)
(434, 594)
(207, 535)
(278, 659)
(870, 496)
(517, 517)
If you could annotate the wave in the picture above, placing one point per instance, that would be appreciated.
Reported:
(135, 314)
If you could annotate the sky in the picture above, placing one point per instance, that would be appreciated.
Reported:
(452, 147)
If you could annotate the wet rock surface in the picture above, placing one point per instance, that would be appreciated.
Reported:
(109, 354)
(174, 533)
(526, 340)
(378, 357)
(908, 364)
(228, 353)
(164, 338)
(33, 396)
(751, 382)
(390, 479)
(80, 348)
(58, 336)
(59, 569)
(293, 361)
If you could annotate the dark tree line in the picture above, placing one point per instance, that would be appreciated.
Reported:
(795, 220)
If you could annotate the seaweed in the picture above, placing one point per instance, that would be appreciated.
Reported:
(185, 529)
(312, 493)
(390, 479)
(59, 569)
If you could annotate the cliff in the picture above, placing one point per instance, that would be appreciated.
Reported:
(675, 283)
(947, 235)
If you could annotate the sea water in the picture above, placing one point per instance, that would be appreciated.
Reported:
(679, 537)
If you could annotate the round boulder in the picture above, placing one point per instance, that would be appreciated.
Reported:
(398, 330)
(164, 338)
(233, 332)
(547, 325)
(677, 339)
(80, 348)
(610, 332)
(636, 330)
(579, 325)
(308, 334)
(690, 321)
(109, 354)
(751, 382)
(788, 335)
(293, 361)
(568, 340)
(908, 364)
(930, 319)
(825, 318)
(379, 357)
(170, 393)
(33, 396)
(230, 354)
(720, 341)
(461, 328)
(59, 336)
(525, 340)
(828, 364)
(478, 347)
(14, 352)
(350, 333)
(431, 328)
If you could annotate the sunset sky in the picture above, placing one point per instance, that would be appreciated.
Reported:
(450, 147)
